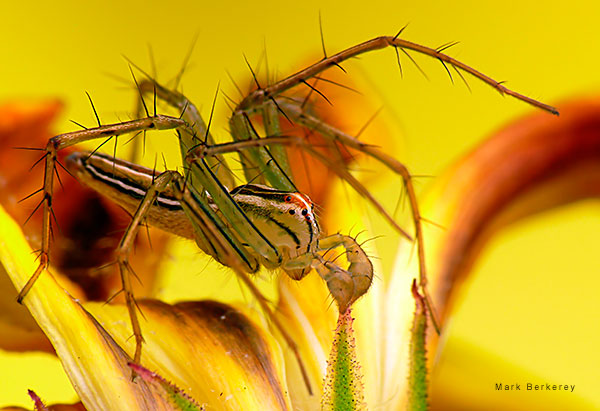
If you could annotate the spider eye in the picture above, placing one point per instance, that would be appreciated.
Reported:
(288, 198)
(292, 212)
(304, 212)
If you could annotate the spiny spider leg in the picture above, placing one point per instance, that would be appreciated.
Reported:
(264, 101)
(230, 252)
(125, 245)
(190, 114)
(345, 285)
(328, 131)
(257, 98)
(272, 165)
(203, 176)
(349, 243)
(69, 139)
(168, 190)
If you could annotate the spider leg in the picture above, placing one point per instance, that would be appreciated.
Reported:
(69, 139)
(191, 115)
(328, 131)
(124, 249)
(260, 96)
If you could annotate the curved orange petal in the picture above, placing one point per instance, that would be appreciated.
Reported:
(534, 164)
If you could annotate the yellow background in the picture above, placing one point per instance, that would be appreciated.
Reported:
(530, 311)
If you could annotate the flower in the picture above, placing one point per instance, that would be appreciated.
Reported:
(224, 356)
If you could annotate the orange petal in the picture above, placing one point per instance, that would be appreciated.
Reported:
(537, 163)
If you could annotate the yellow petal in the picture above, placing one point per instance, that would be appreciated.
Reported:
(96, 365)
(18, 330)
(303, 310)
(210, 350)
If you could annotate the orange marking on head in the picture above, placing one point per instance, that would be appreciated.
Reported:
(302, 200)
